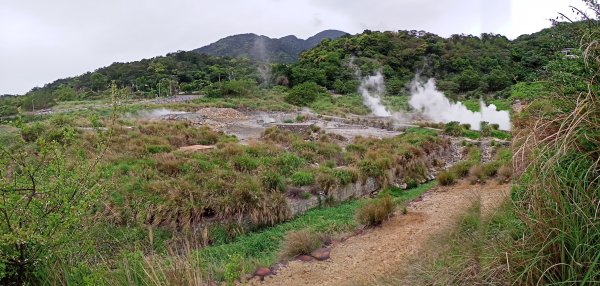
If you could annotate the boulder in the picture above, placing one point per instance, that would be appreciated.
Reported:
(262, 272)
(321, 254)
(305, 258)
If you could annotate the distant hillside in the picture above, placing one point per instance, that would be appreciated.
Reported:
(265, 49)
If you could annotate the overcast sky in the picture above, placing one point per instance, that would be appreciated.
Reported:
(43, 40)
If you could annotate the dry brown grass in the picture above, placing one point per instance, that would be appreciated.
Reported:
(504, 173)
(375, 211)
(475, 174)
(298, 243)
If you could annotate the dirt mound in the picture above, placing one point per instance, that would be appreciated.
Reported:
(221, 113)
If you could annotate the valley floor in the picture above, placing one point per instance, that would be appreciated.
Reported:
(367, 258)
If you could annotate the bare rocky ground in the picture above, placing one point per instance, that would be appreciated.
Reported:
(367, 258)
(248, 126)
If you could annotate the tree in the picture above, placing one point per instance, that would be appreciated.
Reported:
(65, 93)
(305, 93)
(498, 80)
(47, 184)
(98, 81)
(469, 79)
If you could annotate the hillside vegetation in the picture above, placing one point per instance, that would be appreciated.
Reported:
(94, 194)
(465, 66)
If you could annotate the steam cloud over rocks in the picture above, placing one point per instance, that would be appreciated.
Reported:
(433, 104)
(429, 102)
(371, 87)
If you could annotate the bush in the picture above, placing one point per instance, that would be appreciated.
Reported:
(446, 178)
(298, 243)
(490, 169)
(504, 173)
(155, 149)
(302, 178)
(453, 128)
(345, 176)
(245, 163)
(288, 162)
(475, 173)
(411, 183)
(272, 181)
(305, 94)
(375, 211)
(370, 169)
(461, 169)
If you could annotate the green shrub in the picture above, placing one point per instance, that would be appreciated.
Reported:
(490, 169)
(345, 176)
(453, 128)
(411, 183)
(325, 178)
(305, 93)
(245, 163)
(302, 178)
(370, 169)
(233, 269)
(446, 178)
(272, 181)
(461, 169)
(33, 131)
(287, 163)
(155, 149)
(375, 211)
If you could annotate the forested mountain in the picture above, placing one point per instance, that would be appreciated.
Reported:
(464, 66)
(265, 49)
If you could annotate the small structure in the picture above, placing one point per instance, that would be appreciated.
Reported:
(569, 53)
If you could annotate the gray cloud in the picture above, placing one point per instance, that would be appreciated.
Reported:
(41, 41)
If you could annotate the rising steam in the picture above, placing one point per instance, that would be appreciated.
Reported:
(371, 88)
(434, 105)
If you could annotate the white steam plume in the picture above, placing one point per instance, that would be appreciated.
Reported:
(426, 99)
(371, 88)
(154, 113)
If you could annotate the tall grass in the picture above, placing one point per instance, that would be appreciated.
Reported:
(559, 188)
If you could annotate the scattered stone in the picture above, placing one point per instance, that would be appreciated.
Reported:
(221, 113)
(403, 186)
(197, 148)
(305, 258)
(321, 254)
(262, 272)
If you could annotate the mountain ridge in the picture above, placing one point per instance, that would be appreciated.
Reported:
(262, 48)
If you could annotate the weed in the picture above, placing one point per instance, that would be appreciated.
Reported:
(504, 173)
(302, 178)
(475, 174)
(446, 178)
(298, 243)
(375, 211)
(461, 169)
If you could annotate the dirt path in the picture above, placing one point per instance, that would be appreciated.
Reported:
(365, 258)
